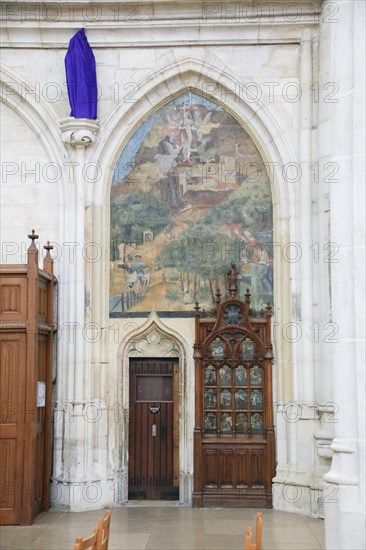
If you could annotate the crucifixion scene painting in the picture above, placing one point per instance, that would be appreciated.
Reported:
(190, 193)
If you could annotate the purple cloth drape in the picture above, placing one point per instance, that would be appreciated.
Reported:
(81, 77)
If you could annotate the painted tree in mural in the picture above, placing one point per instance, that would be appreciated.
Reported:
(190, 194)
(132, 215)
(197, 257)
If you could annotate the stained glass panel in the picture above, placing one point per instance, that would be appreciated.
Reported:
(210, 422)
(241, 400)
(225, 399)
(240, 376)
(217, 349)
(241, 423)
(256, 423)
(256, 400)
(225, 376)
(226, 423)
(210, 399)
(256, 376)
(247, 350)
(210, 376)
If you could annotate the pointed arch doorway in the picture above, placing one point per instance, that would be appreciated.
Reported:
(155, 443)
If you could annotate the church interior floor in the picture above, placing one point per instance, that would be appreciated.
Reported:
(172, 527)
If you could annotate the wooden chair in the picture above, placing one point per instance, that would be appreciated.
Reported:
(257, 545)
(89, 542)
(104, 525)
(258, 531)
(248, 539)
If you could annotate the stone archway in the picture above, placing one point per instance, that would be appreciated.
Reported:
(161, 86)
(155, 340)
(166, 83)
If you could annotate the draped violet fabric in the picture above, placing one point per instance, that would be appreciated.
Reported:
(81, 77)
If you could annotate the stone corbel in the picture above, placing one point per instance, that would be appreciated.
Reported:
(79, 132)
(344, 464)
(324, 436)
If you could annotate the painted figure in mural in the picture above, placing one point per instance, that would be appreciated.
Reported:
(204, 125)
(166, 155)
(138, 274)
(81, 77)
(186, 134)
(256, 253)
(172, 128)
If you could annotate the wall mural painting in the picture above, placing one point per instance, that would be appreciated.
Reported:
(190, 194)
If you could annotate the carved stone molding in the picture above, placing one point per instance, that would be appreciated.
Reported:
(79, 132)
(154, 344)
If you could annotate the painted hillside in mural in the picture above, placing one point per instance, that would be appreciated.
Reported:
(189, 195)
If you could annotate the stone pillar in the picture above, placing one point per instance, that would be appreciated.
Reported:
(296, 419)
(345, 505)
(74, 409)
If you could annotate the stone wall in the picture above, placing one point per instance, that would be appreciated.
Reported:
(273, 67)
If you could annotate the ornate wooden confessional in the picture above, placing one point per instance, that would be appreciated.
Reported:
(234, 452)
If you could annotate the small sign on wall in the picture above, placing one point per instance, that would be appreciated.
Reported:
(41, 394)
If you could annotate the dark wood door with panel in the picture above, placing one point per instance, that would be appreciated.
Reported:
(153, 429)
(234, 460)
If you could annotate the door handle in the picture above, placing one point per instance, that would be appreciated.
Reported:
(153, 430)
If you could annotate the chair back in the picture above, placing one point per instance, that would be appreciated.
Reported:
(88, 542)
(257, 545)
(248, 539)
(104, 525)
(258, 531)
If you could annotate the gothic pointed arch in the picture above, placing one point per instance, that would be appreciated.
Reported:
(190, 193)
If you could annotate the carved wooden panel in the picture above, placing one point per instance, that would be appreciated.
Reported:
(257, 467)
(234, 434)
(42, 300)
(210, 480)
(13, 303)
(242, 464)
(12, 405)
(226, 470)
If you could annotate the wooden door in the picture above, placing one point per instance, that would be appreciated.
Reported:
(153, 429)
(26, 332)
(12, 400)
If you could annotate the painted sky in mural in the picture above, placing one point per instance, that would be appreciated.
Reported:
(189, 195)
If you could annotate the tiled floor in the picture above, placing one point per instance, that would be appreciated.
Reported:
(171, 527)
